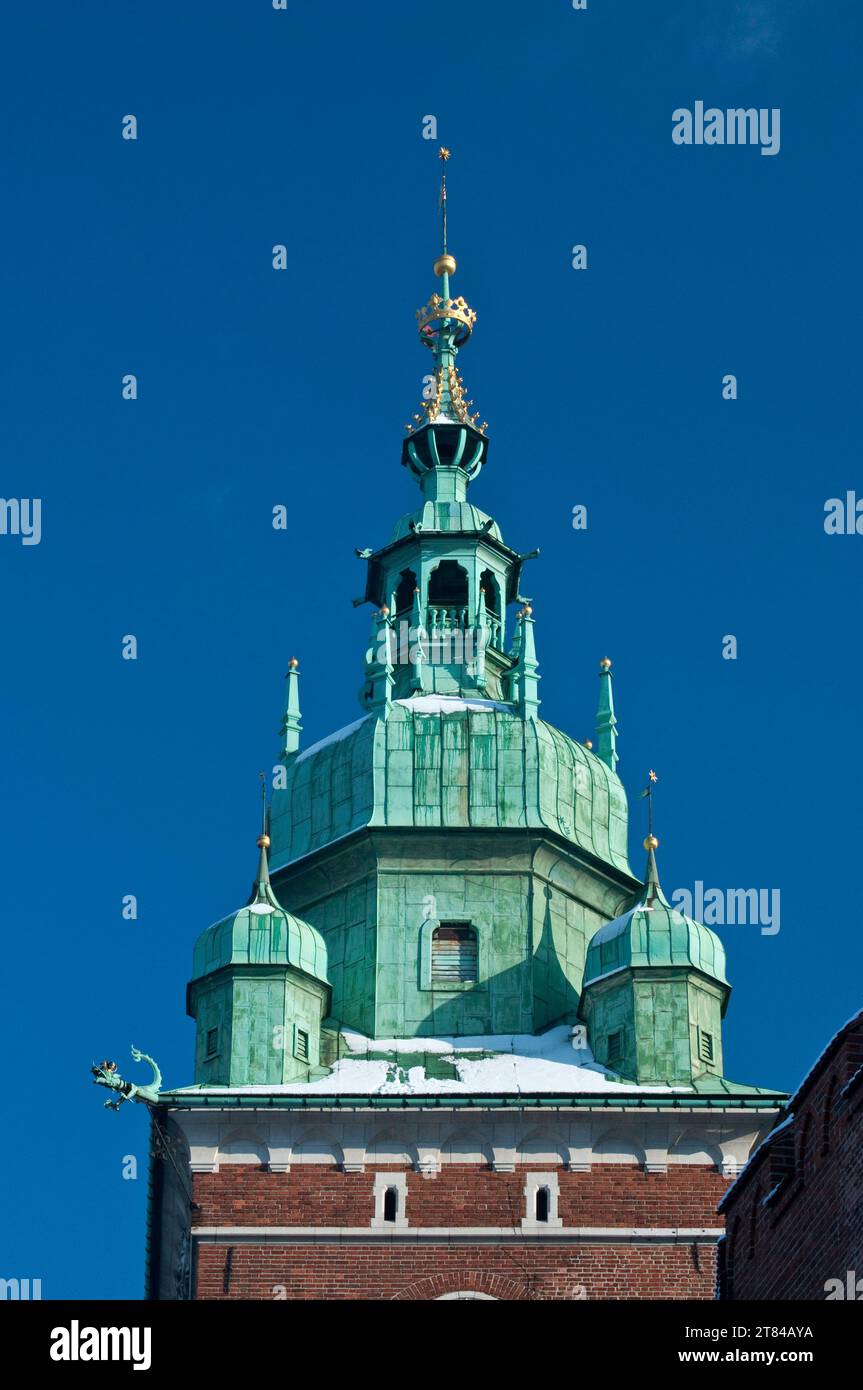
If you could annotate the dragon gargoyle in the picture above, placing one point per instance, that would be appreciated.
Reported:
(106, 1074)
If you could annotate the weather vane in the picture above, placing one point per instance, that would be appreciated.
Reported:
(651, 842)
(443, 154)
(264, 836)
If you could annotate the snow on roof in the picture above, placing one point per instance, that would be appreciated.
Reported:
(443, 704)
(335, 737)
(422, 704)
(498, 1064)
(614, 928)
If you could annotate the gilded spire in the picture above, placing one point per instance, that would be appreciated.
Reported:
(445, 324)
(263, 900)
(652, 891)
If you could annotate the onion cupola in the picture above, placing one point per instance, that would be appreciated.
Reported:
(655, 990)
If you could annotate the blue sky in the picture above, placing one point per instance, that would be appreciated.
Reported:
(602, 388)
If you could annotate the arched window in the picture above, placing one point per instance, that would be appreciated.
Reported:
(391, 1204)
(488, 582)
(448, 585)
(454, 956)
(405, 591)
(491, 588)
(542, 1204)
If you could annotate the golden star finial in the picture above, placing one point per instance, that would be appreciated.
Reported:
(443, 153)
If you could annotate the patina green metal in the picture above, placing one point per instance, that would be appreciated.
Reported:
(259, 992)
(291, 727)
(467, 765)
(606, 724)
(655, 982)
(450, 801)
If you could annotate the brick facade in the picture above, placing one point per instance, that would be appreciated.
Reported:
(460, 1195)
(412, 1266)
(795, 1216)
(531, 1272)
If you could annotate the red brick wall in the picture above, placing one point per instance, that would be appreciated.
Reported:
(460, 1195)
(424, 1272)
(812, 1229)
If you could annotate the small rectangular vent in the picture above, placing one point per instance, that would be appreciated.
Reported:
(454, 954)
(615, 1048)
(705, 1045)
(301, 1048)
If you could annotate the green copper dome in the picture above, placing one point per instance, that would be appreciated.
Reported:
(441, 761)
(439, 515)
(653, 933)
(261, 934)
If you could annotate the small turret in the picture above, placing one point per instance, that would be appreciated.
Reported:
(259, 992)
(655, 990)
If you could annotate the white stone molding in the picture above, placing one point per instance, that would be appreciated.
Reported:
(384, 1181)
(532, 1183)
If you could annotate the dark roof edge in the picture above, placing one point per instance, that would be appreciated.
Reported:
(443, 1101)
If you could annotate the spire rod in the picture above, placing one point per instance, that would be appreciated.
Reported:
(443, 155)
(263, 843)
(445, 325)
(651, 842)
(653, 890)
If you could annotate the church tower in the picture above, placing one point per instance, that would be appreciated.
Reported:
(451, 1047)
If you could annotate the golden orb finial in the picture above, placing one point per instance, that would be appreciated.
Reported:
(293, 664)
(651, 842)
(605, 663)
(263, 842)
(445, 265)
(588, 743)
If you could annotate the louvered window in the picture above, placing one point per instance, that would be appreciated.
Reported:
(454, 954)
(301, 1049)
(615, 1048)
(705, 1045)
